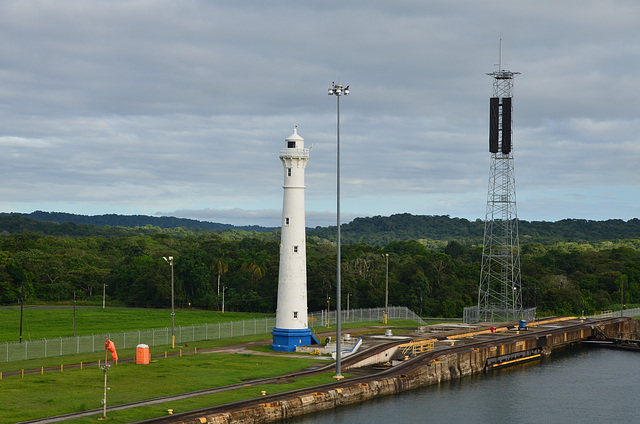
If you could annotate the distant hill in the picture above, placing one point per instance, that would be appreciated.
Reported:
(108, 225)
(133, 221)
(381, 230)
(377, 230)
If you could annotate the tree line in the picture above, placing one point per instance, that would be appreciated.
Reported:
(433, 279)
(431, 230)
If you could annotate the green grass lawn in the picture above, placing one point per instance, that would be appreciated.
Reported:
(85, 358)
(40, 323)
(37, 396)
(56, 392)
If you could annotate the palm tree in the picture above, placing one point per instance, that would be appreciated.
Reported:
(220, 266)
(256, 264)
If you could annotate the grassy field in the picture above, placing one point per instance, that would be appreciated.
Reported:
(68, 390)
(85, 358)
(54, 322)
(37, 396)
(56, 392)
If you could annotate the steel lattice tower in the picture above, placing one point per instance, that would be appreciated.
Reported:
(500, 290)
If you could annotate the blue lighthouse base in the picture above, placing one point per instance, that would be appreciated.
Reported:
(286, 340)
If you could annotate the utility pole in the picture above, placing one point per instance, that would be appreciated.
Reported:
(169, 260)
(74, 313)
(386, 292)
(21, 307)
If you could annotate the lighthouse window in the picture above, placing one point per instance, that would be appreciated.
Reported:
(295, 249)
(295, 314)
(286, 221)
(291, 144)
(288, 172)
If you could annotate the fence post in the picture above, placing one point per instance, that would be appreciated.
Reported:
(26, 350)
(45, 348)
(60, 346)
(78, 346)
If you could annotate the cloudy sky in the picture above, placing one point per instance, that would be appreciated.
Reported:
(180, 108)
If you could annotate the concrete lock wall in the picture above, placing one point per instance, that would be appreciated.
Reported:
(442, 368)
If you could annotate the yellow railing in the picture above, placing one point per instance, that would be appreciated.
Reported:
(418, 346)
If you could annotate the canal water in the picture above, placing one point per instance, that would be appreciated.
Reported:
(581, 385)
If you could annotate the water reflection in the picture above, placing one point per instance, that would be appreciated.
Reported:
(587, 385)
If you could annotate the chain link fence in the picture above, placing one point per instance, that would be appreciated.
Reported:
(45, 348)
(629, 313)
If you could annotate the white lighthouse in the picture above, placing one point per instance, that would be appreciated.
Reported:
(292, 328)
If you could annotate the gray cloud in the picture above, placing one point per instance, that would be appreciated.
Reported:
(145, 106)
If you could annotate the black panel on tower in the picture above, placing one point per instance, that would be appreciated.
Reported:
(494, 116)
(506, 125)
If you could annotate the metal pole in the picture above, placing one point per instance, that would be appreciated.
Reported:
(348, 297)
(338, 276)
(328, 300)
(173, 313)
(104, 399)
(621, 296)
(223, 290)
(74, 313)
(21, 307)
(104, 291)
(338, 91)
(386, 292)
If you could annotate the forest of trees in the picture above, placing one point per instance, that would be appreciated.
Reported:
(433, 277)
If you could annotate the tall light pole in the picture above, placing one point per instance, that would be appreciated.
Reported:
(386, 292)
(328, 304)
(169, 260)
(104, 293)
(338, 91)
(223, 290)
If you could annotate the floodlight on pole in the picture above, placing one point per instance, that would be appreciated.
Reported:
(169, 260)
(223, 291)
(338, 91)
(386, 291)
